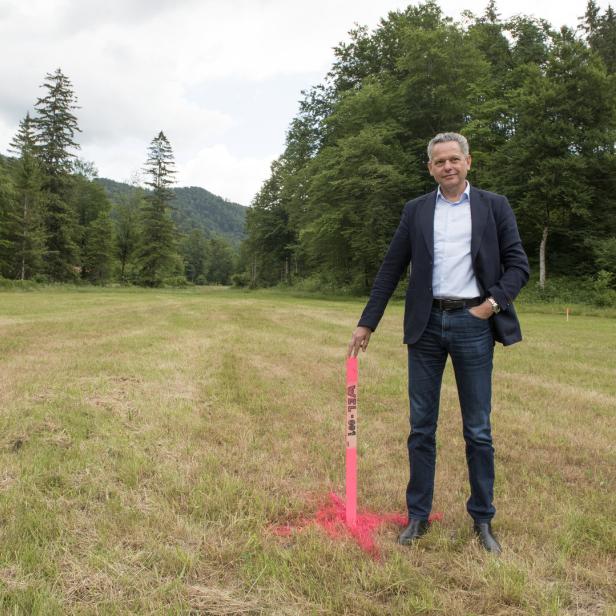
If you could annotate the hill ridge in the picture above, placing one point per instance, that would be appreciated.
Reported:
(195, 207)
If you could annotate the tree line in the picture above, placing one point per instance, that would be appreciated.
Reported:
(58, 225)
(538, 106)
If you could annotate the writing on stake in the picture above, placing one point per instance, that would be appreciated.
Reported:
(351, 412)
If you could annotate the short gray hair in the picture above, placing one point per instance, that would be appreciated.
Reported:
(446, 137)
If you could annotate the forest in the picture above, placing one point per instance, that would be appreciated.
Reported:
(59, 222)
(538, 106)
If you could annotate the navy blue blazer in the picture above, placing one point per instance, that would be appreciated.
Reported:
(499, 261)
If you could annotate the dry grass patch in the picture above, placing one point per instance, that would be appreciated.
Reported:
(152, 439)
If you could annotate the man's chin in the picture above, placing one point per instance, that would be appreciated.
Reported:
(453, 184)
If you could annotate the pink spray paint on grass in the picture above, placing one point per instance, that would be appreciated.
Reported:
(339, 517)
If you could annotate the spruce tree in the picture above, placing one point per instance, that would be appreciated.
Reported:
(158, 257)
(56, 126)
(28, 233)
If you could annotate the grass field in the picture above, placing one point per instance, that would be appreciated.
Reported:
(150, 440)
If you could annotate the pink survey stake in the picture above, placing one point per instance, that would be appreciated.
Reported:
(339, 517)
(351, 442)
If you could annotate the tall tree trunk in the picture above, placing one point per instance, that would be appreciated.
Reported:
(544, 241)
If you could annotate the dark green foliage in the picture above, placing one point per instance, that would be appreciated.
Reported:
(126, 217)
(94, 225)
(194, 250)
(7, 220)
(194, 208)
(565, 130)
(605, 254)
(270, 236)
(221, 261)
(355, 200)
(197, 208)
(56, 126)
(537, 105)
(207, 261)
(600, 31)
(59, 222)
(88, 199)
(26, 236)
(157, 255)
(97, 253)
(62, 251)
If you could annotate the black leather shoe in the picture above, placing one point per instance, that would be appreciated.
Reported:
(414, 530)
(488, 541)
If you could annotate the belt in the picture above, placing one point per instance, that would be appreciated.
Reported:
(456, 304)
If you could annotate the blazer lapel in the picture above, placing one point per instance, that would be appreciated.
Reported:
(479, 217)
(426, 221)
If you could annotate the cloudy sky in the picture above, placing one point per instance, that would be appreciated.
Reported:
(221, 78)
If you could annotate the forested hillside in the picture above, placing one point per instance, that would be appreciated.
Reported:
(60, 223)
(194, 208)
(537, 105)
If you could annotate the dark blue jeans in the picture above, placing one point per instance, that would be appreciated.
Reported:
(469, 342)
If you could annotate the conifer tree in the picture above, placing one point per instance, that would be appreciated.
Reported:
(56, 126)
(158, 257)
(28, 233)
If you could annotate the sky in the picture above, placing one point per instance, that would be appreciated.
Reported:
(221, 78)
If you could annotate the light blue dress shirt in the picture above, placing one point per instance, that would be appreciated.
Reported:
(453, 275)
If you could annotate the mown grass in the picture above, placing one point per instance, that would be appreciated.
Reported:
(150, 440)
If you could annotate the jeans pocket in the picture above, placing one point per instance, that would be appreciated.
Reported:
(476, 318)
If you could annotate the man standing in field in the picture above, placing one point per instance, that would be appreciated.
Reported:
(467, 266)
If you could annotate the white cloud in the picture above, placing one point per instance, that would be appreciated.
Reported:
(120, 161)
(6, 133)
(142, 66)
(223, 173)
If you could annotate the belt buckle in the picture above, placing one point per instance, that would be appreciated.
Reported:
(452, 304)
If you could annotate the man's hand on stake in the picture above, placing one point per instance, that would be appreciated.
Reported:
(359, 340)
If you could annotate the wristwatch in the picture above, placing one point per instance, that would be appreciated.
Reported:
(495, 306)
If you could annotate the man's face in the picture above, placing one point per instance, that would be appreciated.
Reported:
(449, 167)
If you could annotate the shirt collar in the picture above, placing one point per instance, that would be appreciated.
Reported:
(465, 195)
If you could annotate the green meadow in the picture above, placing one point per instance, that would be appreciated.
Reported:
(150, 440)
